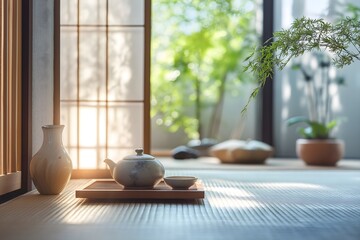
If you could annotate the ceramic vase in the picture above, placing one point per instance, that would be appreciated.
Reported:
(51, 166)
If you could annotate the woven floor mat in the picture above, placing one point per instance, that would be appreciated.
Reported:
(254, 205)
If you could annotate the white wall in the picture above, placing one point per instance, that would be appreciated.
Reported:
(42, 78)
(289, 94)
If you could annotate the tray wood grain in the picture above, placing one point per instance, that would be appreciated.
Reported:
(109, 189)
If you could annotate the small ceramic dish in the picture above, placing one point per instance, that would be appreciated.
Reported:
(180, 182)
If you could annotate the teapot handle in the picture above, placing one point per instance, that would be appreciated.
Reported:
(111, 165)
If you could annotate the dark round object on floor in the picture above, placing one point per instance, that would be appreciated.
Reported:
(183, 152)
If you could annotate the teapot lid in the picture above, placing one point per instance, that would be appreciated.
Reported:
(139, 155)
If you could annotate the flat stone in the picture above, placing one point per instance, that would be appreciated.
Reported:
(183, 152)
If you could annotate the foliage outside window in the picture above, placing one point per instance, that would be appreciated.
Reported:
(198, 50)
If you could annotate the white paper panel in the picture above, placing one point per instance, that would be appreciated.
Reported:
(126, 63)
(88, 158)
(68, 63)
(73, 153)
(117, 154)
(69, 118)
(68, 11)
(126, 12)
(92, 125)
(92, 12)
(92, 63)
(125, 125)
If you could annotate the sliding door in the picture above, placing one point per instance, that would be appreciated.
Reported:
(104, 79)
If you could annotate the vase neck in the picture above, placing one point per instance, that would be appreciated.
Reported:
(52, 134)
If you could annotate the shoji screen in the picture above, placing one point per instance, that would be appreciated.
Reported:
(104, 79)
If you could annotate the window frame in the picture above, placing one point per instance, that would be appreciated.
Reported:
(267, 92)
(266, 95)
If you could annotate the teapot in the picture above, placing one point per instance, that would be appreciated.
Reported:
(141, 171)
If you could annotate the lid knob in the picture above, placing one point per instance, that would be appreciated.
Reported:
(140, 155)
(139, 151)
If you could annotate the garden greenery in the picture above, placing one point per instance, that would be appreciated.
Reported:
(198, 49)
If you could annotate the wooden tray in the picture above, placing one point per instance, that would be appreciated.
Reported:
(109, 189)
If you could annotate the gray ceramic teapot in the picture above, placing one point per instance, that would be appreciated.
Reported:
(141, 171)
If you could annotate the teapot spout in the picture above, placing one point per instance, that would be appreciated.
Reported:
(111, 165)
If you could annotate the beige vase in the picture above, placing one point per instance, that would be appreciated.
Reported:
(51, 166)
(325, 152)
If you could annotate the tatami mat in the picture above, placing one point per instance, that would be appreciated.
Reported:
(237, 205)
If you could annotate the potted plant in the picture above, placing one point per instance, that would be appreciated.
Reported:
(317, 146)
(341, 39)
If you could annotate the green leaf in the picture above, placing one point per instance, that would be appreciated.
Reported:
(314, 130)
(297, 119)
(331, 125)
